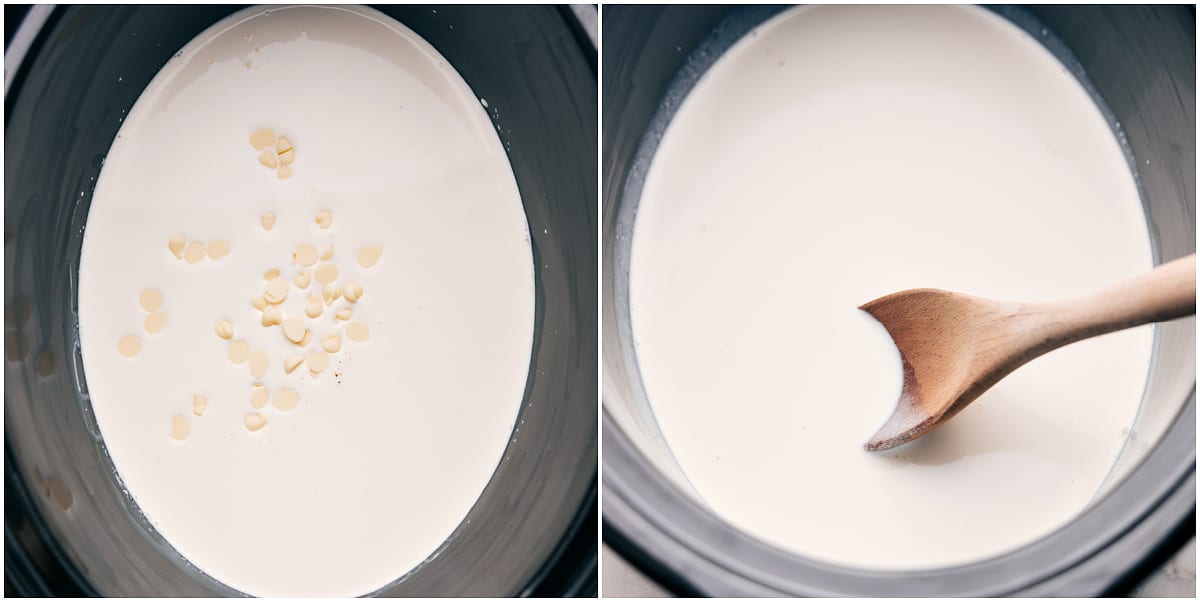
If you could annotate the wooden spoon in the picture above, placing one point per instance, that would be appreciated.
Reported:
(953, 347)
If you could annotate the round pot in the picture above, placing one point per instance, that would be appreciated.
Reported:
(1139, 63)
(69, 526)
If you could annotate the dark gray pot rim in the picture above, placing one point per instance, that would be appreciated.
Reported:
(570, 572)
(685, 547)
(1108, 548)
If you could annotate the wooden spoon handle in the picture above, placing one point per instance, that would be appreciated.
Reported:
(1165, 293)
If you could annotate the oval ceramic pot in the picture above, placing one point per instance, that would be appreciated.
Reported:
(1139, 65)
(70, 528)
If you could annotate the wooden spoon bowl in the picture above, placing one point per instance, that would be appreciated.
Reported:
(953, 347)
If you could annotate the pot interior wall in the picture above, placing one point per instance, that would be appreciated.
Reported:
(68, 517)
(1142, 63)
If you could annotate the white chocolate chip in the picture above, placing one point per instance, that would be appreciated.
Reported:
(285, 151)
(324, 219)
(263, 138)
(258, 396)
(332, 343)
(284, 172)
(328, 253)
(238, 352)
(151, 300)
(353, 291)
(357, 331)
(259, 361)
(259, 302)
(155, 322)
(276, 291)
(285, 399)
(307, 338)
(129, 346)
(306, 255)
(255, 421)
(181, 428)
(291, 362)
(267, 159)
(293, 329)
(271, 274)
(194, 252)
(345, 314)
(331, 293)
(302, 279)
(369, 255)
(218, 249)
(326, 273)
(176, 244)
(224, 329)
(268, 221)
(313, 306)
(199, 403)
(272, 316)
(317, 361)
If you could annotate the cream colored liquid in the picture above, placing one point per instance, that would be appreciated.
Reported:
(832, 156)
(392, 444)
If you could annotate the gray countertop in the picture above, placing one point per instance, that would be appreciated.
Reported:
(1174, 579)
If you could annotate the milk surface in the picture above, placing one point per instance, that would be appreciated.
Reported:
(837, 154)
(392, 444)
